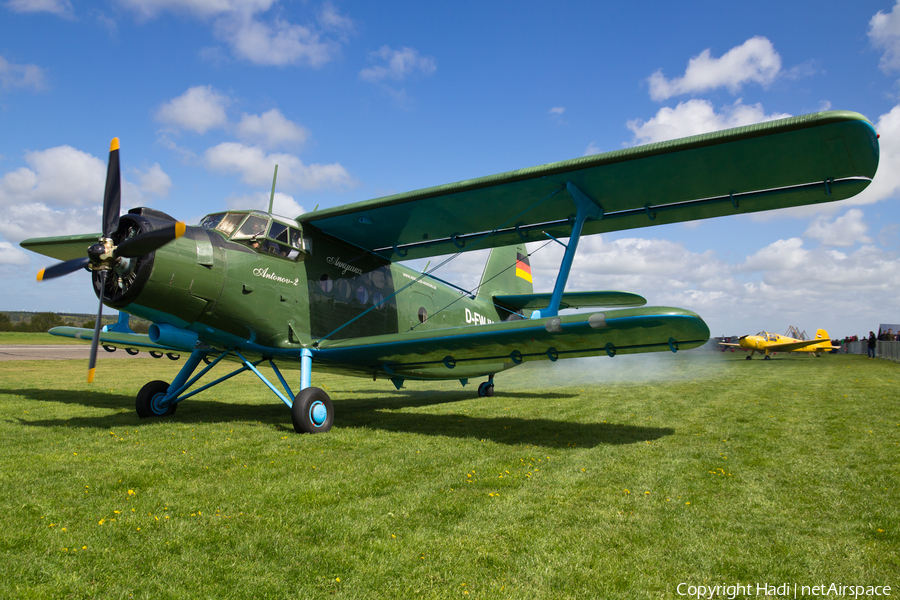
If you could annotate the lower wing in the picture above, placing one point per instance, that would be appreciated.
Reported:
(460, 351)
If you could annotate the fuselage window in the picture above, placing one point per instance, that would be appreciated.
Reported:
(326, 283)
(377, 299)
(362, 294)
(423, 314)
(344, 289)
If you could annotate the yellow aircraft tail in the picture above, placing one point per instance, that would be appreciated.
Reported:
(822, 334)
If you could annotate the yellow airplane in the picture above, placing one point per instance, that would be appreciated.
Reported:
(765, 342)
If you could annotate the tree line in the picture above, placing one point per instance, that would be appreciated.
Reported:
(44, 321)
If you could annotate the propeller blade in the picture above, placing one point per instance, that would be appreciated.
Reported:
(145, 243)
(96, 339)
(112, 197)
(63, 268)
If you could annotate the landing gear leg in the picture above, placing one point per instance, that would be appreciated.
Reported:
(486, 388)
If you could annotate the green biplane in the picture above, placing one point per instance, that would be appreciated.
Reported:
(325, 289)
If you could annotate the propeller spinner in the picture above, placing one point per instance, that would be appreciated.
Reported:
(105, 256)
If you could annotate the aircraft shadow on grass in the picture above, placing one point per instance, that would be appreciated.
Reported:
(386, 413)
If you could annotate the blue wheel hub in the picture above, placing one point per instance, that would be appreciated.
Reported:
(158, 404)
(318, 413)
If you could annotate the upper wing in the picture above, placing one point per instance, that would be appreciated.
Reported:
(63, 247)
(453, 350)
(801, 160)
(570, 300)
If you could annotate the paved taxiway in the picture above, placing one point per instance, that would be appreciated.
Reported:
(47, 352)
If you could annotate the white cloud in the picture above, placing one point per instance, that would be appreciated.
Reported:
(62, 176)
(398, 64)
(276, 43)
(240, 25)
(592, 148)
(256, 168)
(60, 192)
(844, 231)
(271, 129)
(61, 8)
(283, 204)
(884, 32)
(21, 76)
(694, 117)
(10, 255)
(149, 9)
(199, 109)
(753, 61)
(154, 181)
(886, 183)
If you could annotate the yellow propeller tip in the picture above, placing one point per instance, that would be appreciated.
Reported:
(91, 375)
(40, 275)
(114, 144)
(180, 228)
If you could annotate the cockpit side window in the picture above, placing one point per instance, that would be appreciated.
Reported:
(229, 223)
(253, 227)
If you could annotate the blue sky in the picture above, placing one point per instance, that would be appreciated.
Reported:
(359, 100)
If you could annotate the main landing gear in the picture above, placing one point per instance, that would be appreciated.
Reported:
(311, 409)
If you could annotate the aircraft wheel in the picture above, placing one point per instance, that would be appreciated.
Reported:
(148, 400)
(749, 357)
(132, 351)
(312, 411)
(767, 357)
(486, 388)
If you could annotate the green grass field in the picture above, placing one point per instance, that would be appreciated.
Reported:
(601, 478)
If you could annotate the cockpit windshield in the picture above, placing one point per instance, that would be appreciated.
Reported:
(261, 232)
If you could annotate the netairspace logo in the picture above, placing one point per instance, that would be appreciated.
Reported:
(782, 590)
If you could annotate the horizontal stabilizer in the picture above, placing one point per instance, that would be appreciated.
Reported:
(570, 300)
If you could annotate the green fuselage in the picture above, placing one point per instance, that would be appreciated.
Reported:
(266, 303)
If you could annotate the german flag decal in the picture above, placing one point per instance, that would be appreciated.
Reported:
(523, 267)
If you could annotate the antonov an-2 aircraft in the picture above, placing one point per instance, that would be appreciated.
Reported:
(324, 290)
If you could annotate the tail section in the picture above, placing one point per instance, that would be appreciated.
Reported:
(507, 272)
(821, 334)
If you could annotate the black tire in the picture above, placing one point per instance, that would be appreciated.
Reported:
(132, 351)
(156, 354)
(109, 348)
(306, 412)
(145, 405)
(489, 390)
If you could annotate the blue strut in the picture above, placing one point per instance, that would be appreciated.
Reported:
(586, 208)
(305, 368)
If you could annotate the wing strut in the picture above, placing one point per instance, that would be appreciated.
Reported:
(587, 208)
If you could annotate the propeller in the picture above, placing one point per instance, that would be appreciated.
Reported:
(104, 256)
